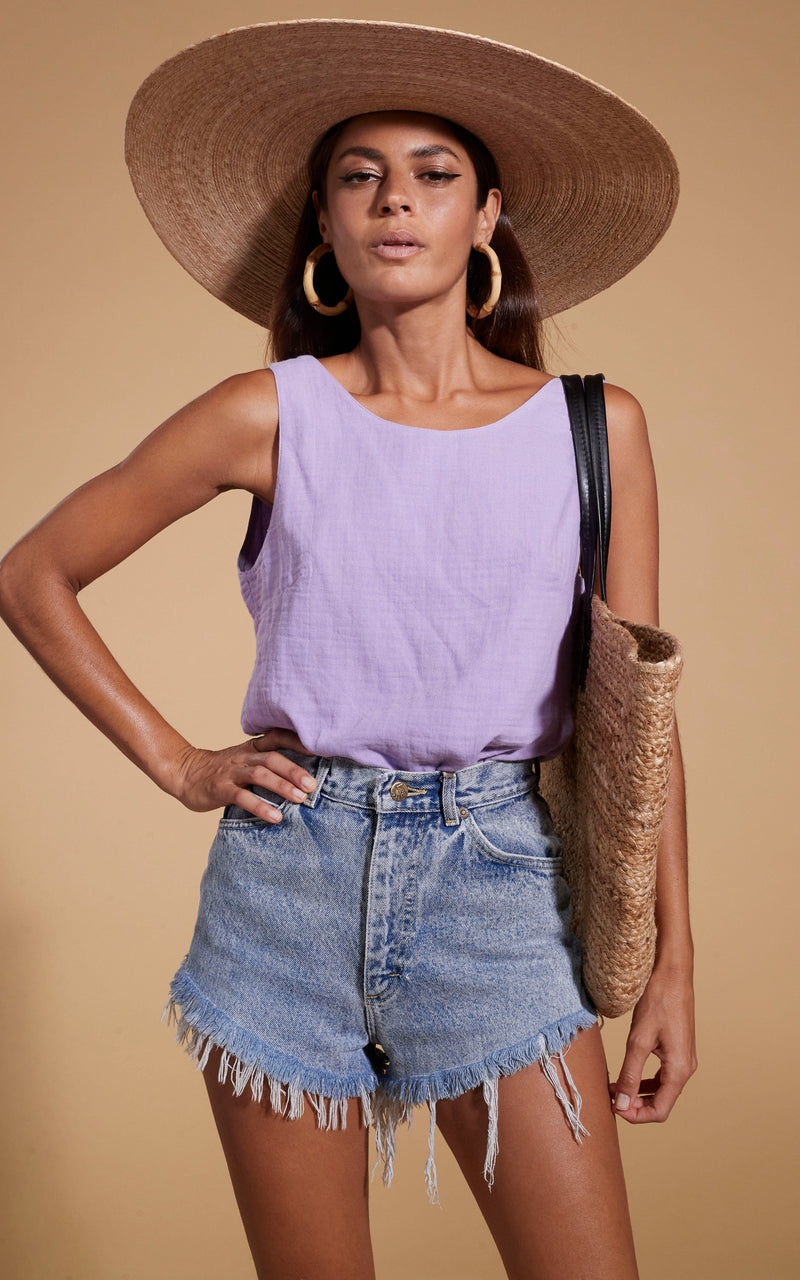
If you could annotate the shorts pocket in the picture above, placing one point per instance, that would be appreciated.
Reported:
(517, 832)
(234, 816)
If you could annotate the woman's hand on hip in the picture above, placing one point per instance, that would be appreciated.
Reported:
(662, 1024)
(210, 779)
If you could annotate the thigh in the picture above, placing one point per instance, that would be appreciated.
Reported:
(558, 1209)
(302, 1191)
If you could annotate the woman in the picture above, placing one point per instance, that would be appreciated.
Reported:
(383, 917)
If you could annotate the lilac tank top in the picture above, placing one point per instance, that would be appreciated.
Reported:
(415, 592)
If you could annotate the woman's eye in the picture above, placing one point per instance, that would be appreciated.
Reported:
(437, 177)
(360, 175)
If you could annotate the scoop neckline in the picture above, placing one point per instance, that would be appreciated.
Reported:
(435, 431)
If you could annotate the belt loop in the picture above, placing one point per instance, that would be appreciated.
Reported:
(321, 772)
(448, 789)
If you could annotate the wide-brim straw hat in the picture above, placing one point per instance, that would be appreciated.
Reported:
(218, 137)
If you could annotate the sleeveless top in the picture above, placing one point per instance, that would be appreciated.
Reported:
(415, 592)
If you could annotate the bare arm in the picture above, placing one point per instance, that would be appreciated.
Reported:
(663, 1021)
(227, 438)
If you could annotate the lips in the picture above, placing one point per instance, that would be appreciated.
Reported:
(396, 238)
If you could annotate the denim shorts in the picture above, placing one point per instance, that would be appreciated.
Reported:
(398, 937)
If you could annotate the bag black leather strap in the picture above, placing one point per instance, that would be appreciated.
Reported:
(576, 405)
(598, 441)
(586, 405)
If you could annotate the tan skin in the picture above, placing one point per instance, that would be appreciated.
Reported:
(558, 1208)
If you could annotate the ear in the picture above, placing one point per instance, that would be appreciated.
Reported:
(488, 215)
(319, 211)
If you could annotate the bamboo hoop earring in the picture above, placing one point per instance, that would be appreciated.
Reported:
(308, 284)
(497, 284)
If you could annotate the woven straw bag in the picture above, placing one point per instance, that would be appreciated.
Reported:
(608, 789)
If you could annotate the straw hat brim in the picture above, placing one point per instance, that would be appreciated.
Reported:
(217, 140)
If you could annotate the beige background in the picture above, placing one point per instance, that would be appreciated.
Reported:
(112, 1168)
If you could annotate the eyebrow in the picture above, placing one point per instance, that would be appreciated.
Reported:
(418, 153)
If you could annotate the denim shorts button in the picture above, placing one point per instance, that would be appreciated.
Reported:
(398, 791)
(462, 813)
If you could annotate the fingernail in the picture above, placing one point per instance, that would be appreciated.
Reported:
(623, 1102)
(308, 782)
(297, 794)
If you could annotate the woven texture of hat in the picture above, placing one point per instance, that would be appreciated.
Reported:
(607, 793)
(217, 140)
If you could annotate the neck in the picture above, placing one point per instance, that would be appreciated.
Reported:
(422, 353)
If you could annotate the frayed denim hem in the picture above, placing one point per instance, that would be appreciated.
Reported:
(201, 1028)
(395, 1104)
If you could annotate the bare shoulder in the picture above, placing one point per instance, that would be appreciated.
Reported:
(628, 440)
(242, 406)
(624, 413)
(249, 398)
(230, 430)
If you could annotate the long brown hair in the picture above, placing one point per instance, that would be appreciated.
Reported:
(513, 330)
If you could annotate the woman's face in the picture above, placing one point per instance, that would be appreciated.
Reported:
(401, 208)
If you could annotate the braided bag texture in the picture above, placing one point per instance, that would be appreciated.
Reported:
(607, 794)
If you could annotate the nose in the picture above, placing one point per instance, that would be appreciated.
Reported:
(395, 203)
(394, 197)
